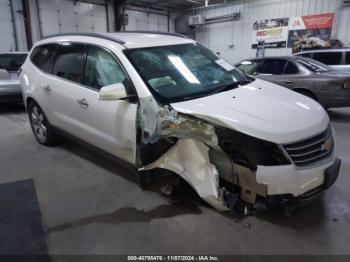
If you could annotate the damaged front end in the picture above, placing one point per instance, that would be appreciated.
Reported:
(219, 163)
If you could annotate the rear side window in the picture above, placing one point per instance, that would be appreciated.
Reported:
(69, 62)
(308, 55)
(272, 67)
(348, 58)
(291, 69)
(329, 58)
(12, 62)
(101, 69)
(42, 56)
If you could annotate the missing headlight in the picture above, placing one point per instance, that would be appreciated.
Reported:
(250, 151)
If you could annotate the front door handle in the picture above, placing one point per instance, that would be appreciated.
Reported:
(83, 102)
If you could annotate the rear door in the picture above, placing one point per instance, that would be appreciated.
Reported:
(64, 88)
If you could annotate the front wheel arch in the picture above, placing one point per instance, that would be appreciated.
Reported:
(307, 93)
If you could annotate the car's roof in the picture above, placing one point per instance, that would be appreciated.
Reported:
(137, 39)
(291, 58)
(14, 53)
(324, 50)
(267, 57)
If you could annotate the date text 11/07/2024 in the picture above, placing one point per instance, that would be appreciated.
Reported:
(173, 258)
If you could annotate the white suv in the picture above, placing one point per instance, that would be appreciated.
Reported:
(165, 101)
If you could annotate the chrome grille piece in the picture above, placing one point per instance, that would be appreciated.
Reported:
(311, 151)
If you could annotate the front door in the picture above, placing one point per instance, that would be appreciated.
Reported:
(110, 125)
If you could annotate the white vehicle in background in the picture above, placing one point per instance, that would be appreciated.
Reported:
(10, 88)
(338, 58)
(164, 101)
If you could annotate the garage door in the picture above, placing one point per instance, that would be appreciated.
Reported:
(7, 36)
(146, 22)
(64, 16)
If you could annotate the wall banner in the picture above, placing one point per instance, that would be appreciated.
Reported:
(273, 31)
(312, 31)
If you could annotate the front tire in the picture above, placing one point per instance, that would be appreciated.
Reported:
(41, 127)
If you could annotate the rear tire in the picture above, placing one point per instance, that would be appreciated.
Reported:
(41, 127)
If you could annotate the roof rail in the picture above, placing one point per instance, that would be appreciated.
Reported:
(155, 32)
(114, 39)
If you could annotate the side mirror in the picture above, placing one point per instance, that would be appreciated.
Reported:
(4, 75)
(113, 92)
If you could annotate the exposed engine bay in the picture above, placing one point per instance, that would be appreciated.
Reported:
(219, 163)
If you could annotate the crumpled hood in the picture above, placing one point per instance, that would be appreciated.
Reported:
(261, 109)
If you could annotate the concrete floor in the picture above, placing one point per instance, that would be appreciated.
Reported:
(91, 206)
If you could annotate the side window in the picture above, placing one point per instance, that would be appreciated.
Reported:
(69, 62)
(291, 69)
(42, 56)
(329, 58)
(101, 69)
(308, 55)
(348, 58)
(272, 67)
(249, 67)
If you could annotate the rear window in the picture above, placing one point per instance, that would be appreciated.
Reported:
(348, 58)
(291, 69)
(313, 65)
(42, 56)
(329, 58)
(12, 62)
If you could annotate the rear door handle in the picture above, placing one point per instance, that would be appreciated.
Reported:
(83, 102)
(47, 88)
(288, 82)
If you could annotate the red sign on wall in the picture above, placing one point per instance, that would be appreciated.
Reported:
(318, 21)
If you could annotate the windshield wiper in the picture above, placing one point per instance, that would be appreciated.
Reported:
(220, 89)
(232, 85)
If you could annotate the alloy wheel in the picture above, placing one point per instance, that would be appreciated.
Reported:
(39, 127)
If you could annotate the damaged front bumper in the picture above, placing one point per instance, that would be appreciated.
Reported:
(287, 179)
(330, 175)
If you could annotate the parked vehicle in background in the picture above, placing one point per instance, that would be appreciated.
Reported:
(309, 77)
(10, 88)
(163, 101)
(338, 59)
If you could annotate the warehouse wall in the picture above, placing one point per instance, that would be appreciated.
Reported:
(12, 32)
(61, 16)
(218, 36)
(145, 21)
(49, 17)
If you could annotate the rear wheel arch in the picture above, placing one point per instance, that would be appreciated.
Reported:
(30, 100)
(42, 129)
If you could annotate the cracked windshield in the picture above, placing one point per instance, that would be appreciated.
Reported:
(182, 72)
